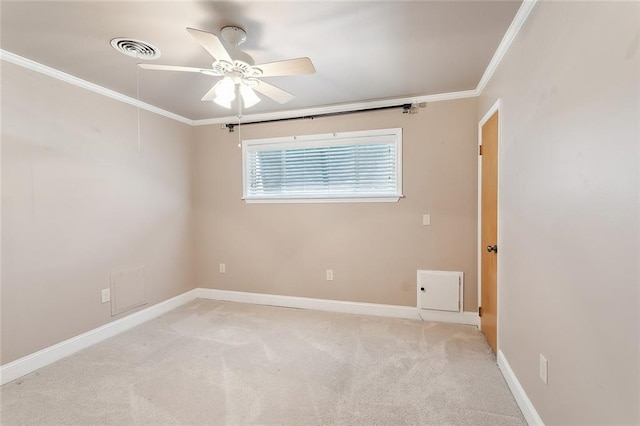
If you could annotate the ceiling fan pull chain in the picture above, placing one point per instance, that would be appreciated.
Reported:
(138, 98)
(240, 100)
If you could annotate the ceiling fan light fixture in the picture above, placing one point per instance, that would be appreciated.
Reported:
(225, 92)
(249, 97)
(225, 103)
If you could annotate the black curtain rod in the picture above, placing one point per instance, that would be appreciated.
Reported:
(406, 108)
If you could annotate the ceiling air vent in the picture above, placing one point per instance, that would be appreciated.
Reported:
(135, 48)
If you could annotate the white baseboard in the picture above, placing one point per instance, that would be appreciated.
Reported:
(394, 311)
(468, 318)
(374, 309)
(527, 408)
(46, 356)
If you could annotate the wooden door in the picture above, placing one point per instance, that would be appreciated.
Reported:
(489, 231)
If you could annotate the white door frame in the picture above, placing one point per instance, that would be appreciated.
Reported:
(492, 110)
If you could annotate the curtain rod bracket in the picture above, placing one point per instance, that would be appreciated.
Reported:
(412, 108)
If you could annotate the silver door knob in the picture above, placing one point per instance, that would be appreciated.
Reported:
(493, 249)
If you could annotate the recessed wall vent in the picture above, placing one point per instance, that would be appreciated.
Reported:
(135, 48)
(127, 290)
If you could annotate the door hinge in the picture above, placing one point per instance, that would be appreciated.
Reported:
(479, 311)
(479, 149)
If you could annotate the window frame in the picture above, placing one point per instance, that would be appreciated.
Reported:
(325, 139)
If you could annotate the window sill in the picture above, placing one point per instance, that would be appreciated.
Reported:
(281, 200)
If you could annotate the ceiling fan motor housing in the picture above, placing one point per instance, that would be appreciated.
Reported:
(233, 35)
(238, 67)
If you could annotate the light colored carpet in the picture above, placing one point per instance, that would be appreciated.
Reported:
(222, 363)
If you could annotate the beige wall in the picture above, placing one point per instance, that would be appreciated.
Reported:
(373, 248)
(568, 277)
(79, 200)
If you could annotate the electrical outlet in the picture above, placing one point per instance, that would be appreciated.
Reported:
(544, 369)
(106, 295)
(426, 219)
(329, 274)
(223, 268)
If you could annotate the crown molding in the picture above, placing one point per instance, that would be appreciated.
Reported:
(507, 40)
(330, 109)
(509, 36)
(68, 78)
(76, 81)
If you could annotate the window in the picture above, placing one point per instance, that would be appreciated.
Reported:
(352, 166)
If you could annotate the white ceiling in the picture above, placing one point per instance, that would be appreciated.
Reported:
(362, 50)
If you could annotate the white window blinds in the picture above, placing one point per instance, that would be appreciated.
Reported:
(341, 166)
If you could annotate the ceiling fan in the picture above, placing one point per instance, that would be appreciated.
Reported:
(239, 73)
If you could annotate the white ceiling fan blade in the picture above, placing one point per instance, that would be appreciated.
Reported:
(289, 67)
(211, 93)
(273, 92)
(170, 68)
(212, 43)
